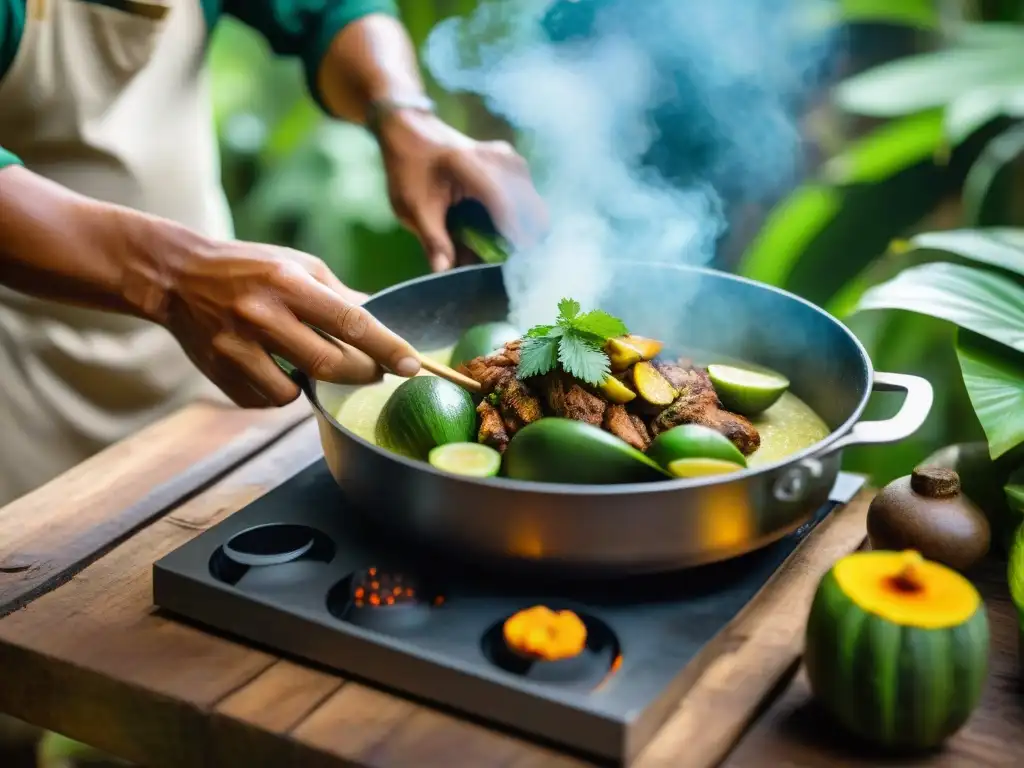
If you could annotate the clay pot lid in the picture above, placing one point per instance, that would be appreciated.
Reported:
(935, 482)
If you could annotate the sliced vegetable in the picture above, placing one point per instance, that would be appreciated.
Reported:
(470, 459)
(702, 467)
(482, 340)
(623, 351)
(423, 413)
(616, 391)
(694, 441)
(621, 354)
(648, 348)
(652, 386)
(746, 391)
(556, 450)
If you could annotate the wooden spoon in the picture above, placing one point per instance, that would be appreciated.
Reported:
(472, 386)
(439, 369)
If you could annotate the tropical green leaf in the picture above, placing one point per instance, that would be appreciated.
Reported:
(928, 80)
(980, 301)
(986, 246)
(986, 34)
(788, 231)
(870, 218)
(922, 14)
(1015, 490)
(893, 147)
(980, 106)
(994, 377)
(991, 195)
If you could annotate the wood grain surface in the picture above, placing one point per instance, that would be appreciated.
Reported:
(94, 660)
(52, 533)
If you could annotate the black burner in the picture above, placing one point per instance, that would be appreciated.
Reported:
(584, 672)
(296, 572)
(384, 600)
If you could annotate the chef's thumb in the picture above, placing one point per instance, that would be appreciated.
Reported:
(428, 222)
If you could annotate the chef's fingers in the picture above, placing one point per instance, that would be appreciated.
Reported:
(254, 366)
(236, 385)
(319, 357)
(328, 278)
(500, 180)
(314, 303)
(425, 216)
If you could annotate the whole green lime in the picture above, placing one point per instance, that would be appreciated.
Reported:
(423, 413)
(482, 340)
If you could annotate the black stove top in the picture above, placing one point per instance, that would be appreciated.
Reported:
(294, 572)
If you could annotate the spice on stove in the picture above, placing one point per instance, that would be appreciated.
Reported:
(541, 633)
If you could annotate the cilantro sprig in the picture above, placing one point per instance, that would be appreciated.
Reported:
(576, 342)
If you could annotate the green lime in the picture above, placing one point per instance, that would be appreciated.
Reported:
(693, 441)
(472, 459)
(482, 340)
(422, 413)
(702, 467)
(745, 391)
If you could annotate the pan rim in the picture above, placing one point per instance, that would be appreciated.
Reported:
(615, 489)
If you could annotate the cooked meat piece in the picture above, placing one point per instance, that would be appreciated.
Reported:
(698, 404)
(678, 376)
(519, 406)
(566, 398)
(493, 370)
(626, 426)
(492, 428)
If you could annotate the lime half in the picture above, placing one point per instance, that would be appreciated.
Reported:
(702, 467)
(471, 459)
(694, 441)
(745, 391)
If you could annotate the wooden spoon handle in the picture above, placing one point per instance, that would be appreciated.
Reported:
(439, 369)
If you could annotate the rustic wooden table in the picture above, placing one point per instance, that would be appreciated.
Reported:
(83, 652)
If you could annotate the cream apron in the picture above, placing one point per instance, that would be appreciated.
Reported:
(112, 104)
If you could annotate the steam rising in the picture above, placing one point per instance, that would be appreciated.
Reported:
(641, 131)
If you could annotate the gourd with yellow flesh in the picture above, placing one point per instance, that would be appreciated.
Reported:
(623, 351)
(897, 648)
(541, 633)
(652, 386)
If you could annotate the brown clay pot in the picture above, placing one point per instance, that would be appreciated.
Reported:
(927, 512)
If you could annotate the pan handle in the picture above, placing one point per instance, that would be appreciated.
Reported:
(793, 485)
(916, 407)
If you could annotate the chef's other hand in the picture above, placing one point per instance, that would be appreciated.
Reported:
(231, 307)
(431, 166)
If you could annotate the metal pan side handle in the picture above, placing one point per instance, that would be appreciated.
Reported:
(911, 416)
(793, 485)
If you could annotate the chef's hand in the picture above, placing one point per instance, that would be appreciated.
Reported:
(234, 305)
(230, 304)
(431, 166)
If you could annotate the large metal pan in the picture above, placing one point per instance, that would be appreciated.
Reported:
(585, 530)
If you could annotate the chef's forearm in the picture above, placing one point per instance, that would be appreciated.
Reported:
(60, 245)
(369, 60)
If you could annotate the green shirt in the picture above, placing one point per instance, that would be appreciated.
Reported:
(303, 28)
